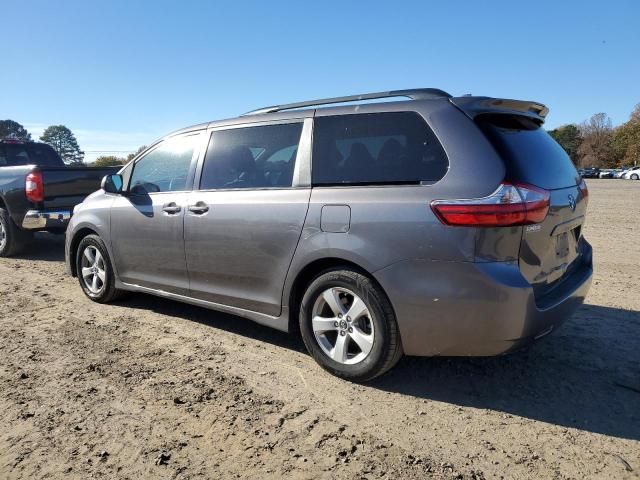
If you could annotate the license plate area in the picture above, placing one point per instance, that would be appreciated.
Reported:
(562, 244)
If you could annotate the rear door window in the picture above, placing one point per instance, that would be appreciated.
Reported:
(380, 148)
(251, 157)
(530, 154)
(44, 155)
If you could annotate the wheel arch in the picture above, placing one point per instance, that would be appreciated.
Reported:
(306, 275)
(5, 206)
(73, 246)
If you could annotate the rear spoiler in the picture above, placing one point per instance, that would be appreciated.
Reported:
(474, 106)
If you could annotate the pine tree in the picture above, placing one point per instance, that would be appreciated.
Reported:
(64, 142)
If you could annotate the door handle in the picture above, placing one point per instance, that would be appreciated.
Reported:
(199, 208)
(171, 208)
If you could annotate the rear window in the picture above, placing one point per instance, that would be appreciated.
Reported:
(13, 155)
(530, 154)
(380, 148)
(43, 155)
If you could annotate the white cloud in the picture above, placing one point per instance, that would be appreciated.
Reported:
(101, 142)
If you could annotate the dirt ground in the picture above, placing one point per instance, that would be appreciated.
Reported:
(148, 388)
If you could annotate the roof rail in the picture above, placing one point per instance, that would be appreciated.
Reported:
(413, 94)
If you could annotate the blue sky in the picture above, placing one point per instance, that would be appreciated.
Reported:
(122, 73)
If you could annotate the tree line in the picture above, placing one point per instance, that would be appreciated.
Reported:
(113, 160)
(596, 143)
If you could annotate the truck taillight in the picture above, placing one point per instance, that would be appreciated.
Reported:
(510, 205)
(34, 187)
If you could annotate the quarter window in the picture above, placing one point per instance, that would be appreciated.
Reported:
(166, 168)
(251, 157)
(380, 148)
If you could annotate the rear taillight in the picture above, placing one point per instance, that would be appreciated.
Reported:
(34, 187)
(511, 204)
(584, 191)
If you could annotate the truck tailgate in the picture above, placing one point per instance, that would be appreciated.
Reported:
(65, 187)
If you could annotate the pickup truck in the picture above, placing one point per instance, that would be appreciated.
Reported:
(38, 191)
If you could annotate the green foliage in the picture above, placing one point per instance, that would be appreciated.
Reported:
(568, 136)
(64, 142)
(131, 156)
(109, 161)
(9, 128)
(595, 143)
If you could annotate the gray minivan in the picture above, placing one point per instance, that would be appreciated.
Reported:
(433, 225)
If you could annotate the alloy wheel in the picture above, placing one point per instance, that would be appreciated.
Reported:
(3, 236)
(342, 326)
(93, 270)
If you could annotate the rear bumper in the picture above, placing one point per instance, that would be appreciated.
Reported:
(46, 219)
(475, 309)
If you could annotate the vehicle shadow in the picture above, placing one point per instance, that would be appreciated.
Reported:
(45, 246)
(586, 375)
(210, 318)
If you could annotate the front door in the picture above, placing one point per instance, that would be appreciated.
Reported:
(147, 223)
(243, 224)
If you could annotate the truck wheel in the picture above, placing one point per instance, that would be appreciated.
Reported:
(12, 238)
(95, 271)
(348, 325)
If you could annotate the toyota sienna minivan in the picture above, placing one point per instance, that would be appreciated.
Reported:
(431, 225)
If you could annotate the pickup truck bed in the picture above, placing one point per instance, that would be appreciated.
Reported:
(58, 189)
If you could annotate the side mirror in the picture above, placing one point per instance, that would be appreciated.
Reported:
(112, 183)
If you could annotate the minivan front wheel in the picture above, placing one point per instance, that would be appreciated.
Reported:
(94, 270)
(348, 325)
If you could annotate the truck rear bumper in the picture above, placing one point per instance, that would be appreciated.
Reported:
(46, 219)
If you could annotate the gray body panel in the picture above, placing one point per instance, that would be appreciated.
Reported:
(148, 244)
(239, 252)
(455, 291)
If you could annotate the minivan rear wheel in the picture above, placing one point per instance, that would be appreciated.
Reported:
(94, 270)
(348, 325)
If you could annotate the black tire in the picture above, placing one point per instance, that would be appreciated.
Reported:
(15, 239)
(387, 347)
(107, 291)
(635, 176)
